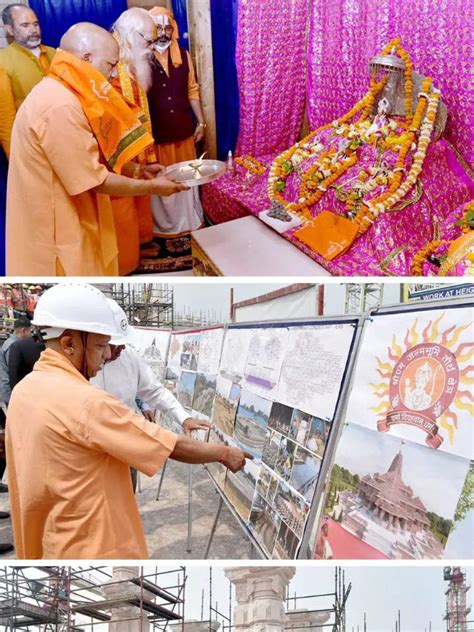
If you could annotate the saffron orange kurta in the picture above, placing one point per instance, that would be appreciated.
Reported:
(69, 448)
(20, 71)
(56, 224)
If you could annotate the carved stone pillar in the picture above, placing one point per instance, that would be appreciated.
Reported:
(305, 621)
(260, 594)
(193, 625)
(126, 618)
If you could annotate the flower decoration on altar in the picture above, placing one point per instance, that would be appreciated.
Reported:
(371, 157)
(251, 164)
(446, 257)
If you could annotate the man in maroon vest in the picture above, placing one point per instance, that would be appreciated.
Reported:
(173, 100)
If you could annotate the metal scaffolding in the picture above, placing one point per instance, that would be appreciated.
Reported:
(336, 612)
(77, 599)
(457, 609)
(17, 299)
(146, 304)
(363, 296)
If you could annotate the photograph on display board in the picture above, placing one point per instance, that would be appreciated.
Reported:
(184, 351)
(313, 368)
(413, 378)
(251, 423)
(291, 507)
(271, 448)
(152, 345)
(305, 473)
(171, 379)
(226, 401)
(280, 418)
(264, 360)
(460, 543)
(286, 543)
(234, 354)
(216, 470)
(204, 392)
(285, 458)
(175, 350)
(210, 350)
(265, 523)
(318, 435)
(186, 385)
(398, 501)
(265, 477)
(300, 425)
(240, 486)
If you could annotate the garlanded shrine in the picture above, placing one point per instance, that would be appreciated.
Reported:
(366, 193)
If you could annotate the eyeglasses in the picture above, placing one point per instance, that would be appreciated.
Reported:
(150, 42)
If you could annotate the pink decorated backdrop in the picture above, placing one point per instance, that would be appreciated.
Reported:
(271, 68)
(437, 34)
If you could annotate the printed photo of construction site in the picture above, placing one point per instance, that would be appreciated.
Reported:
(235, 599)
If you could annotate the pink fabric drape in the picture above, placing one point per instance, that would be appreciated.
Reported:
(437, 34)
(271, 69)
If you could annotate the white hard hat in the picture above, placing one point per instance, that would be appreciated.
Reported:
(122, 325)
(76, 306)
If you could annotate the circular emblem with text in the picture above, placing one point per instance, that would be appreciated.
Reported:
(423, 384)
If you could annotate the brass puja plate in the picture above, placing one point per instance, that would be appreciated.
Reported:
(193, 173)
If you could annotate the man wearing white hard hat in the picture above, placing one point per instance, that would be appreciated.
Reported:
(127, 377)
(70, 487)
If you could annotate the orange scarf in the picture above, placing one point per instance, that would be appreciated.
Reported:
(120, 134)
(136, 99)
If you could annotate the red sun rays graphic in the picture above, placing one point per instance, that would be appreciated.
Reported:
(434, 332)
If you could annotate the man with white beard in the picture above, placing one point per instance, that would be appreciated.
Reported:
(135, 32)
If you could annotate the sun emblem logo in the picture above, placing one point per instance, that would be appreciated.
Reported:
(422, 381)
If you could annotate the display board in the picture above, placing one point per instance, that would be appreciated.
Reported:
(276, 394)
(402, 472)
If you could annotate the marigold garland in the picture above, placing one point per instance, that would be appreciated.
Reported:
(467, 220)
(370, 210)
(250, 163)
(423, 254)
(282, 166)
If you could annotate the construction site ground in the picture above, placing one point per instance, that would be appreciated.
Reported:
(166, 520)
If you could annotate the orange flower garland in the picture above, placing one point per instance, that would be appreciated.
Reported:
(426, 252)
(467, 220)
(282, 167)
(250, 163)
(369, 212)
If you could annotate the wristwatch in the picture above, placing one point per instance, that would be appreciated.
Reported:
(202, 125)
